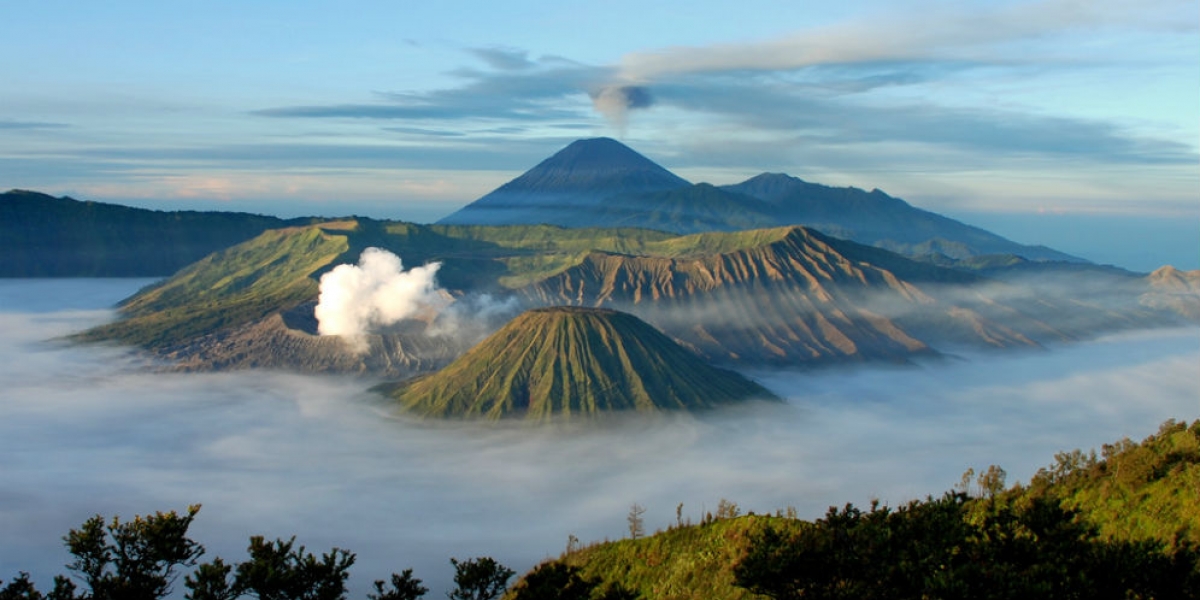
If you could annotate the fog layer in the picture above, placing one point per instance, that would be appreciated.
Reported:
(86, 430)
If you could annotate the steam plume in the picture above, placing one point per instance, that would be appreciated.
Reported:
(378, 292)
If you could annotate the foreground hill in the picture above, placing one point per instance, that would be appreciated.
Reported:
(1084, 527)
(563, 362)
(603, 183)
(44, 236)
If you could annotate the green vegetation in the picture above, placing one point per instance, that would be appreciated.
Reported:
(684, 562)
(1147, 492)
(562, 362)
(143, 558)
(955, 547)
(1122, 526)
(270, 273)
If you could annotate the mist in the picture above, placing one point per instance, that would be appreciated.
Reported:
(87, 430)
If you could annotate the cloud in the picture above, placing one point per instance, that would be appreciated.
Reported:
(936, 31)
(505, 59)
(23, 125)
(83, 431)
(548, 90)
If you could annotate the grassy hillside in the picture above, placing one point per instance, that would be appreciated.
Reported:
(273, 272)
(1122, 526)
(687, 562)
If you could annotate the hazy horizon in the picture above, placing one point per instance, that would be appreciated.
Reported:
(1014, 107)
(86, 430)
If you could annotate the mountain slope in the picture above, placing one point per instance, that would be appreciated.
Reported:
(44, 236)
(786, 296)
(563, 362)
(603, 183)
(1174, 290)
(877, 219)
(577, 178)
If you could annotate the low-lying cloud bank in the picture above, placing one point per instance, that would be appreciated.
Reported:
(82, 431)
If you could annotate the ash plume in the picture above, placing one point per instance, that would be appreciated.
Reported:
(616, 101)
(358, 299)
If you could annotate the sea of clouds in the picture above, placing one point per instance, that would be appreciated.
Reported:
(86, 430)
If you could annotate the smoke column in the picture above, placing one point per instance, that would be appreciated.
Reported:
(355, 299)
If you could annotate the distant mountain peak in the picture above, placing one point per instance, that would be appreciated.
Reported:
(580, 177)
(593, 164)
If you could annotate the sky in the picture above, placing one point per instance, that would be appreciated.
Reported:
(410, 110)
(87, 430)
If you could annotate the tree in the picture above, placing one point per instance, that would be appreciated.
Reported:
(637, 527)
(136, 560)
(210, 581)
(22, 588)
(479, 579)
(556, 580)
(281, 571)
(404, 587)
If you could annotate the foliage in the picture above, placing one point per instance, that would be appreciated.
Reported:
(404, 587)
(1132, 491)
(555, 580)
(941, 548)
(479, 579)
(140, 559)
(683, 562)
(135, 560)
(281, 571)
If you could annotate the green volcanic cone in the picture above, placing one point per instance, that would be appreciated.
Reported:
(570, 361)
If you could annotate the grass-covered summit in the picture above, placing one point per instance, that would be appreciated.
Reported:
(571, 361)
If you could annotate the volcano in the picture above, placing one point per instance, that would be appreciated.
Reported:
(571, 361)
(565, 188)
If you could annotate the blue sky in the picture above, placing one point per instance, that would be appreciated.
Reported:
(409, 110)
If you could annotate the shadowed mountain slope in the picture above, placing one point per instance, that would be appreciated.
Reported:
(44, 236)
(563, 362)
(877, 219)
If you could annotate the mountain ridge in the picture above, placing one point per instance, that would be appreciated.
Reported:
(45, 236)
(602, 182)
